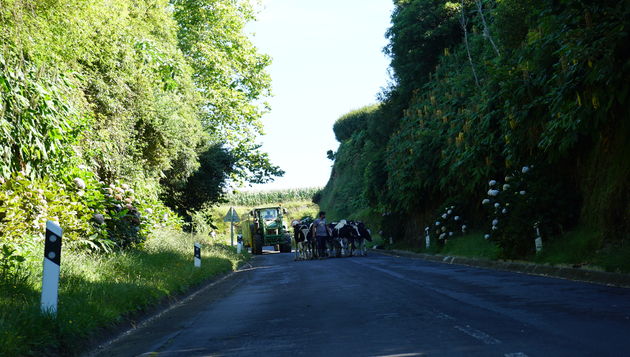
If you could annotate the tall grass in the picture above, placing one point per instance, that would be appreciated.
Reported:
(256, 198)
(97, 291)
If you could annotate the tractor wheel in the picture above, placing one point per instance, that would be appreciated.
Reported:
(285, 248)
(258, 245)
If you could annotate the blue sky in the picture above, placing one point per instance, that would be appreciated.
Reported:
(327, 60)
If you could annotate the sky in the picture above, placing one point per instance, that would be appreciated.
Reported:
(327, 60)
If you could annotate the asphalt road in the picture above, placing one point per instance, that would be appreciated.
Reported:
(387, 306)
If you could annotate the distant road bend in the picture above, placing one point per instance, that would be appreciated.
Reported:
(387, 306)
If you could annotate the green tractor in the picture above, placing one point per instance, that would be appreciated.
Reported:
(265, 227)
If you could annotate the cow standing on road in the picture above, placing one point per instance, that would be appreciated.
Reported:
(305, 244)
(363, 235)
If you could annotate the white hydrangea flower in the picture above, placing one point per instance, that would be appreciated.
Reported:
(450, 234)
(450, 211)
(487, 236)
(495, 222)
(444, 216)
(506, 187)
(493, 193)
(492, 183)
(99, 218)
(456, 218)
(508, 178)
(525, 169)
(497, 205)
(485, 201)
(522, 193)
(80, 183)
(437, 223)
(504, 211)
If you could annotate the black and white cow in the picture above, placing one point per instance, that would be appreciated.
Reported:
(344, 235)
(305, 244)
(363, 236)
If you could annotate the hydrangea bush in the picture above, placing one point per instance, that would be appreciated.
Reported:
(525, 205)
(448, 224)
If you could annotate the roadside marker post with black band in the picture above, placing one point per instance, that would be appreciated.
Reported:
(239, 244)
(197, 255)
(52, 262)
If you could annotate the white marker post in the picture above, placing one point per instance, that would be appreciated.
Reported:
(538, 241)
(52, 261)
(239, 245)
(197, 255)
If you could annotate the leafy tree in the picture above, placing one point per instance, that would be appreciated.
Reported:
(230, 76)
(205, 186)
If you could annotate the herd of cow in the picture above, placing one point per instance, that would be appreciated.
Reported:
(346, 238)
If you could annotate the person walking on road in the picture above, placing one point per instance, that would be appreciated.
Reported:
(321, 233)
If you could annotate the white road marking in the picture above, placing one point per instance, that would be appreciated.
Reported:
(443, 316)
(480, 335)
(515, 354)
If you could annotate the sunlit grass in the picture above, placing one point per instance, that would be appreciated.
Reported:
(97, 291)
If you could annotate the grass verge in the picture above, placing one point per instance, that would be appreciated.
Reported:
(98, 291)
(581, 247)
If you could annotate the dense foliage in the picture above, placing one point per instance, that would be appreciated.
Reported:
(111, 109)
(482, 89)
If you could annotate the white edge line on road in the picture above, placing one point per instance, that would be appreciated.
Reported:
(480, 335)
(515, 354)
(152, 318)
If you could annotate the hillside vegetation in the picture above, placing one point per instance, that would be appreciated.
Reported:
(509, 118)
(121, 120)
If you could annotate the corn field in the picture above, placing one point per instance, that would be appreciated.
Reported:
(251, 199)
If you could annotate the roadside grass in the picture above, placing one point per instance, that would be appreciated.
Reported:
(583, 247)
(580, 247)
(98, 291)
(472, 245)
(576, 247)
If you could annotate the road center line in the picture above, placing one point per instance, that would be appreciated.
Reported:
(480, 335)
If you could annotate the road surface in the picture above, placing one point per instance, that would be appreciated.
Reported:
(387, 306)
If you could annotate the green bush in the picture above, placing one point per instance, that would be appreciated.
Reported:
(353, 122)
